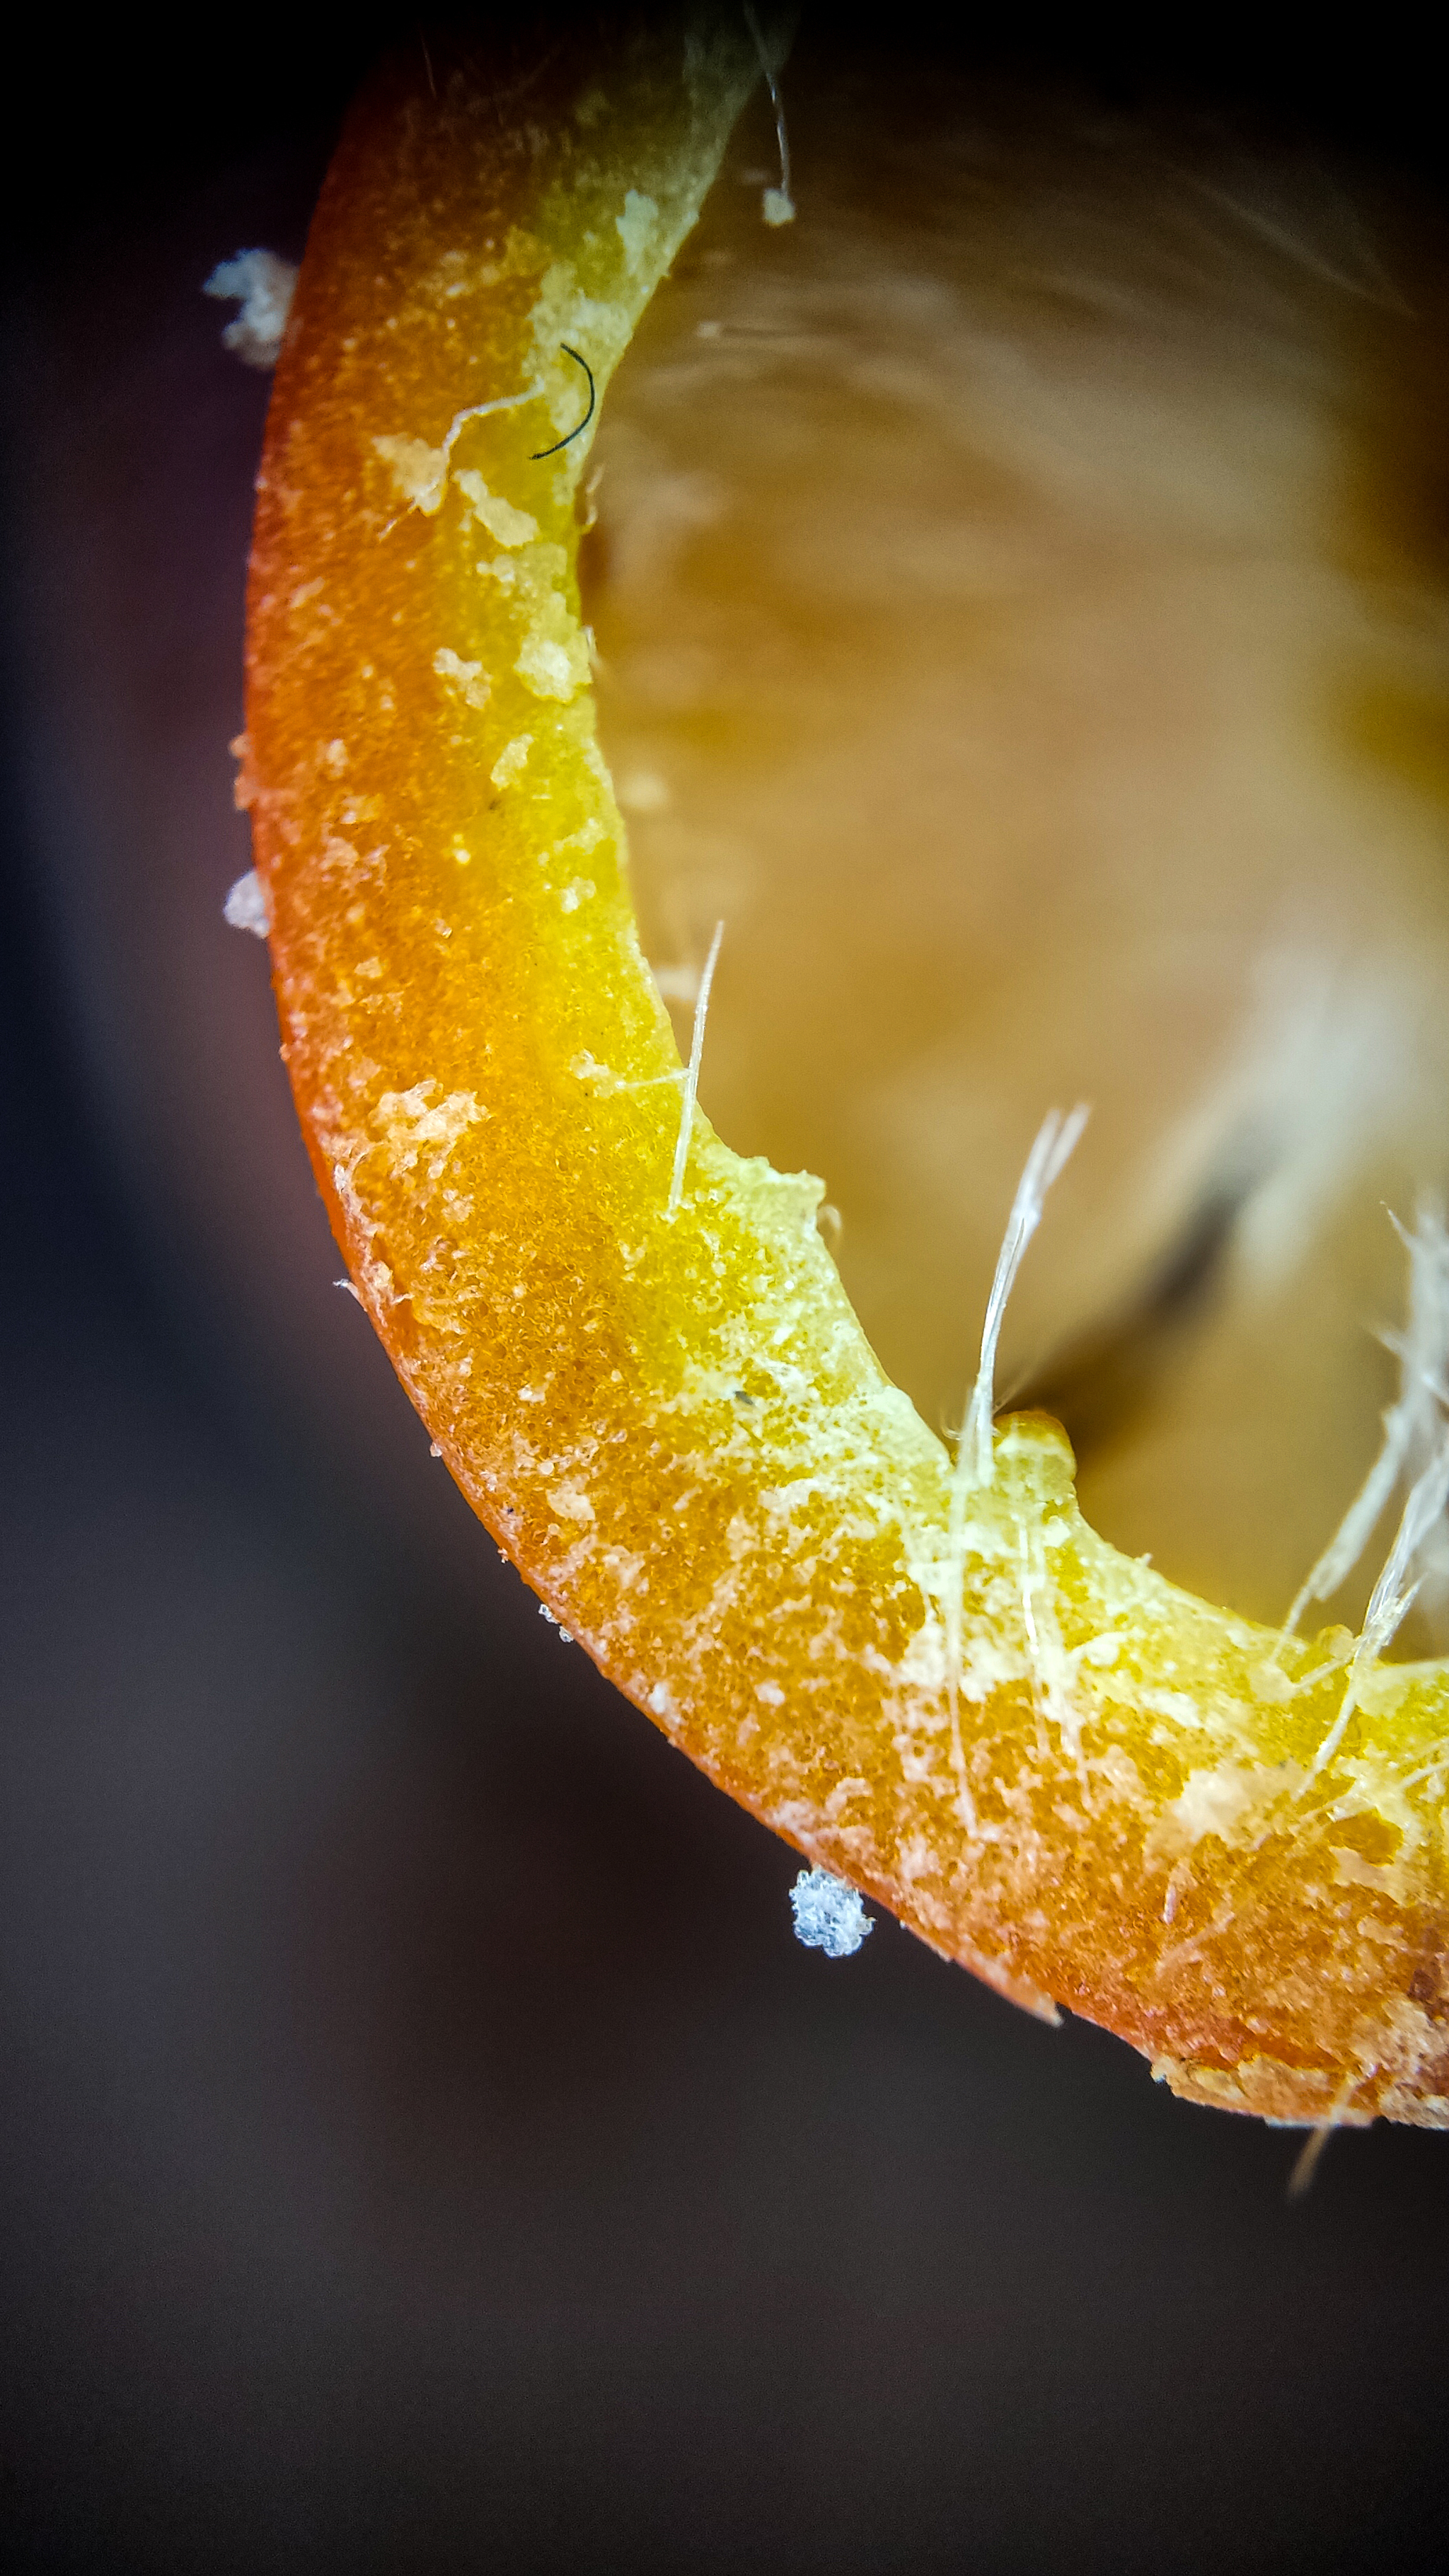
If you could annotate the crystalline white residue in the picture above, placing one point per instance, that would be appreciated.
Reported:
(245, 907)
(263, 286)
(829, 1915)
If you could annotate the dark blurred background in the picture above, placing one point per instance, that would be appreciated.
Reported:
(424, 2145)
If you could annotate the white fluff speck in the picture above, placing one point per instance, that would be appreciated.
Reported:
(246, 906)
(829, 1915)
(263, 286)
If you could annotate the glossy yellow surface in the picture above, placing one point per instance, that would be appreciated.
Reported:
(669, 1415)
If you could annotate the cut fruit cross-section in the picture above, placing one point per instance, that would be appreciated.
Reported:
(1054, 1766)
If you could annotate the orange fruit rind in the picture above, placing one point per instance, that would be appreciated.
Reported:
(1046, 1760)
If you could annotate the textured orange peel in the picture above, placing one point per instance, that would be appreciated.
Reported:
(668, 1415)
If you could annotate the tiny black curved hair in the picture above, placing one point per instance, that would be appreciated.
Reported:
(540, 452)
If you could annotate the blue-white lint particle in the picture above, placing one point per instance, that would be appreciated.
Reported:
(829, 1915)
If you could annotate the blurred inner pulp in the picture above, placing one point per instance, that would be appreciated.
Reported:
(1020, 618)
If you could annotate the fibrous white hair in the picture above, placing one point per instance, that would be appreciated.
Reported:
(1415, 1443)
(975, 1456)
(777, 204)
(1056, 1141)
(691, 1076)
(1414, 1426)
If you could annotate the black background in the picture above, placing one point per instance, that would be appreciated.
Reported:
(424, 2146)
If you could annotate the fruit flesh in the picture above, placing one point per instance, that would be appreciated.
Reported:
(986, 574)
(672, 1419)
